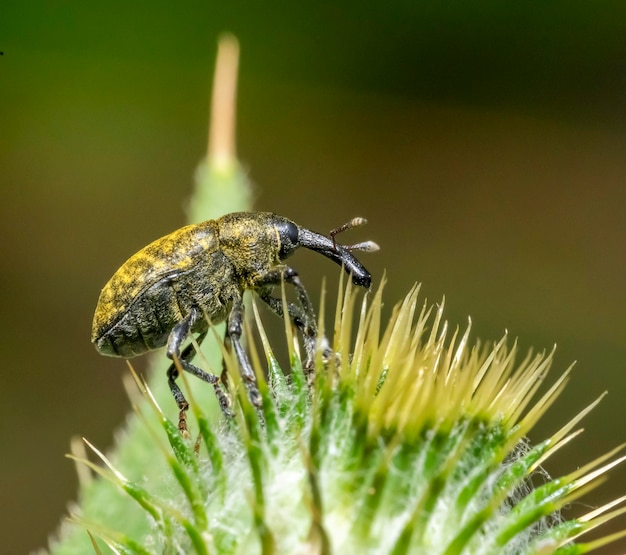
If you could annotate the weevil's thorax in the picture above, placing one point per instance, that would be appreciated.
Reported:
(251, 242)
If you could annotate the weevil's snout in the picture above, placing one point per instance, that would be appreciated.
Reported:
(338, 254)
(361, 277)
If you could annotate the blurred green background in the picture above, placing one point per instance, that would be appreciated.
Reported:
(484, 141)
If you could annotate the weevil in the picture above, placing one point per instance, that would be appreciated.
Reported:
(196, 276)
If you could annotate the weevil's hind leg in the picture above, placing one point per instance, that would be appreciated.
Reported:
(303, 316)
(233, 331)
(181, 402)
(177, 337)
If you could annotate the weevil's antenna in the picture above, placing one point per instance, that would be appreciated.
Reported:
(354, 222)
(365, 246)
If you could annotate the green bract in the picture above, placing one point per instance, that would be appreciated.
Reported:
(409, 441)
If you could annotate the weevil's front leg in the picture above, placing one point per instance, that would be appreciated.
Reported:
(177, 337)
(233, 331)
(303, 316)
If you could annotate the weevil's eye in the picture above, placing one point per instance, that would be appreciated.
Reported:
(288, 235)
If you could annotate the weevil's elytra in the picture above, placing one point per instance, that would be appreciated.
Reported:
(151, 291)
(179, 283)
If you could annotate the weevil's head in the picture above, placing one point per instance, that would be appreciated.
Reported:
(291, 236)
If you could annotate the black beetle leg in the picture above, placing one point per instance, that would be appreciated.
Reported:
(298, 318)
(303, 316)
(233, 332)
(177, 336)
(228, 347)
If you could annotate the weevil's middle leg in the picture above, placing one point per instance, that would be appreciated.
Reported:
(233, 332)
(228, 347)
(179, 333)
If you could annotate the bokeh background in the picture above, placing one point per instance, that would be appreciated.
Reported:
(484, 141)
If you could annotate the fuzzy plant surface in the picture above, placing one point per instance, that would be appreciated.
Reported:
(409, 439)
